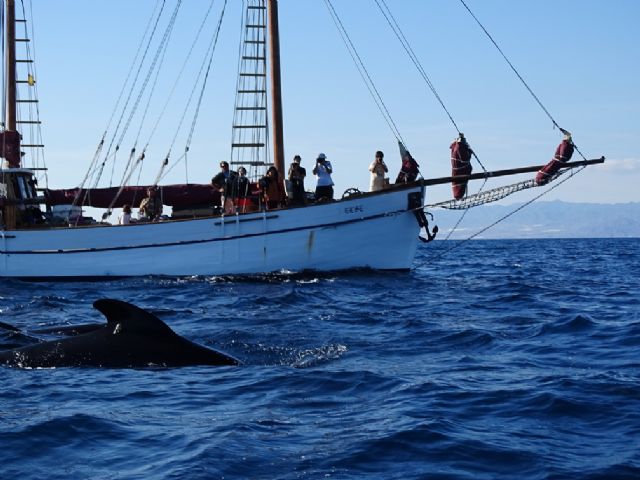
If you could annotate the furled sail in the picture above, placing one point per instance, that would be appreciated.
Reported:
(180, 195)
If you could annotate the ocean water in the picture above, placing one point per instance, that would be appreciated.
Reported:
(497, 359)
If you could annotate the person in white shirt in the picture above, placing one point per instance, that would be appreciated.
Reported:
(324, 187)
(378, 169)
(125, 218)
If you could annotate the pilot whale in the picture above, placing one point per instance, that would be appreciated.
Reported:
(131, 338)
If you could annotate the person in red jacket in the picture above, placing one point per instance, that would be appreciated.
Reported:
(563, 155)
(460, 165)
(409, 169)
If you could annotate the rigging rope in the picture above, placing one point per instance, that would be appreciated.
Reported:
(395, 27)
(501, 219)
(179, 76)
(204, 83)
(386, 12)
(91, 171)
(208, 60)
(159, 51)
(135, 58)
(132, 166)
(132, 89)
(362, 70)
(535, 97)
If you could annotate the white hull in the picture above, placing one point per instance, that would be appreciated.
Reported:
(372, 231)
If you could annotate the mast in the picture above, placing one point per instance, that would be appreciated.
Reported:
(10, 138)
(10, 81)
(276, 92)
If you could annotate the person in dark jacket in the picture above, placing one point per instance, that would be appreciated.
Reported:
(296, 181)
(225, 182)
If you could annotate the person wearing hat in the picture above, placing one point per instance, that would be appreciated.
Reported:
(225, 182)
(296, 175)
(151, 205)
(324, 186)
(378, 169)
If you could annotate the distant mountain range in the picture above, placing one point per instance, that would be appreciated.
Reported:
(555, 219)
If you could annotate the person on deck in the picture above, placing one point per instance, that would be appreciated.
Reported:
(125, 218)
(378, 169)
(272, 188)
(296, 180)
(563, 154)
(324, 186)
(225, 182)
(243, 190)
(460, 164)
(409, 169)
(151, 205)
(243, 183)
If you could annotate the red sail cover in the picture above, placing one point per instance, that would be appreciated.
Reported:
(563, 154)
(460, 165)
(10, 147)
(185, 195)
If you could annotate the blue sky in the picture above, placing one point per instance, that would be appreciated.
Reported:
(579, 56)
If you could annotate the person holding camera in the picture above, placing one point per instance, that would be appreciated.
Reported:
(296, 181)
(324, 186)
(378, 169)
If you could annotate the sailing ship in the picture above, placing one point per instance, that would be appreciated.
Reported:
(375, 230)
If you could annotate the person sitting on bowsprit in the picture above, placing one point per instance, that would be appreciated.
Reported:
(563, 155)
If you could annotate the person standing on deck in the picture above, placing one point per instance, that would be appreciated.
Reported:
(243, 189)
(296, 178)
(324, 186)
(272, 188)
(151, 205)
(225, 182)
(378, 169)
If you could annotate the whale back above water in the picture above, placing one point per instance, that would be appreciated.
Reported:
(131, 338)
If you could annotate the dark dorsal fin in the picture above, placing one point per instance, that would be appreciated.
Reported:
(131, 318)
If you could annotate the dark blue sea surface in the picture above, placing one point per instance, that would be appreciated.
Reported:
(497, 359)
